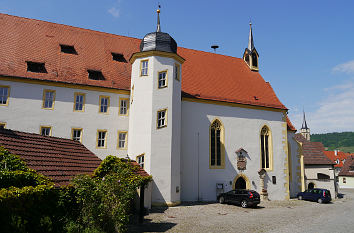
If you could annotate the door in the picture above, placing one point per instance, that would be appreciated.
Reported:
(240, 183)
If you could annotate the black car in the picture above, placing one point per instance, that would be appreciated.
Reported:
(241, 197)
(316, 194)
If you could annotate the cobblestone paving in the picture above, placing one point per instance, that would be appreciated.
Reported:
(272, 216)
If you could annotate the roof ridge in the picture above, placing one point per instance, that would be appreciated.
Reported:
(66, 25)
(36, 135)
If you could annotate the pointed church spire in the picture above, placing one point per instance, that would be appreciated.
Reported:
(158, 29)
(250, 39)
(304, 123)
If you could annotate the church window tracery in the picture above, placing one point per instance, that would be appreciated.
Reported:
(217, 152)
(266, 153)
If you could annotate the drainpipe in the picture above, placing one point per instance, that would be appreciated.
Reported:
(198, 165)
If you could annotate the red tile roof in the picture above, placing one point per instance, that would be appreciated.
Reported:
(348, 167)
(57, 158)
(341, 156)
(313, 152)
(205, 75)
(290, 125)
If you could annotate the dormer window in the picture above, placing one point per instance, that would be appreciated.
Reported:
(36, 67)
(118, 57)
(95, 75)
(69, 49)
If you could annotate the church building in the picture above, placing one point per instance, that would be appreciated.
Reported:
(200, 123)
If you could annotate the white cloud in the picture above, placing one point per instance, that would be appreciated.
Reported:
(347, 67)
(114, 12)
(335, 113)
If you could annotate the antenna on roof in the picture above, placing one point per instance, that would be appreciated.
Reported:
(214, 46)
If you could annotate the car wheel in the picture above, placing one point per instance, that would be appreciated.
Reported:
(244, 204)
(299, 197)
(221, 200)
(320, 200)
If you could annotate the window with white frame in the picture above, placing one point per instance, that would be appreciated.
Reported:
(161, 118)
(140, 160)
(144, 68)
(48, 99)
(76, 134)
(104, 104)
(46, 130)
(79, 102)
(162, 79)
(4, 95)
(101, 138)
(123, 107)
(122, 140)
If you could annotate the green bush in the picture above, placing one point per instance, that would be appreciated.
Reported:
(22, 179)
(29, 202)
(105, 198)
(10, 162)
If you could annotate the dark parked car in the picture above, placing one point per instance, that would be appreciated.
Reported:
(319, 195)
(241, 197)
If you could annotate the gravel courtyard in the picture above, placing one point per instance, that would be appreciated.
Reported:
(273, 216)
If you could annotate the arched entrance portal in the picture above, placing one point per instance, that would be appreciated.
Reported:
(311, 186)
(240, 183)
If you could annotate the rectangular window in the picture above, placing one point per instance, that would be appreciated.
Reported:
(123, 106)
(2, 125)
(344, 180)
(4, 95)
(162, 79)
(144, 67)
(101, 139)
(76, 134)
(177, 72)
(79, 102)
(161, 118)
(140, 160)
(122, 140)
(46, 130)
(48, 99)
(104, 104)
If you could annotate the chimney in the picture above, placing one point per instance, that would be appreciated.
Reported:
(336, 152)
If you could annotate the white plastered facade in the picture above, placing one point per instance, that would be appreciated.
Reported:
(25, 113)
(242, 127)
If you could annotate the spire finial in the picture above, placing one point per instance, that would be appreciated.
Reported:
(304, 123)
(158, 29)
(250, 39)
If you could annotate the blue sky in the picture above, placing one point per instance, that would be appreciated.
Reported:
(306, 47)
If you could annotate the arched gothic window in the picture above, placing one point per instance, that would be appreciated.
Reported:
(217, 153)
(266, 155)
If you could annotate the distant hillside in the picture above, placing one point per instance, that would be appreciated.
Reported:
(342, 141)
